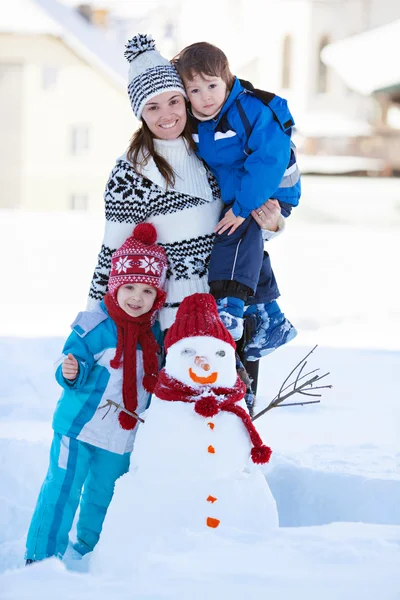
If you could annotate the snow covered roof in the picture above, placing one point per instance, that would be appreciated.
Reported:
(367, 62)
(48, 17)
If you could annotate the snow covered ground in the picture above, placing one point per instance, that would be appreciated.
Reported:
(335, 469)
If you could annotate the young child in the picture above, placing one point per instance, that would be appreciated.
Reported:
(247, 145)
(109, 361)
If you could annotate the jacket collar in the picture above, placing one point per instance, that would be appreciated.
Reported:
(236, 90)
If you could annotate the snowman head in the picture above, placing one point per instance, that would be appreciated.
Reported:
(202, 360)
(200, 350)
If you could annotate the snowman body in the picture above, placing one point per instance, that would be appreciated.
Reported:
(190, 473)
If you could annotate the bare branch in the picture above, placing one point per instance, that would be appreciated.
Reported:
(298, 403)
(303, 360)
(117, 406)
(306, 388)
(299, 373)
(299, 379)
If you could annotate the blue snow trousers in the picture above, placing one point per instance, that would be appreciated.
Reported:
(73, 465)
(240, 257)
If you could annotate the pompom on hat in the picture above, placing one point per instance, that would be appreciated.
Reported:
(197, 316)
(139, 260)
(150, 73)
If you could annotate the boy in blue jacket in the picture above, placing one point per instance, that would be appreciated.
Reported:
(247, 144)
(108, 368)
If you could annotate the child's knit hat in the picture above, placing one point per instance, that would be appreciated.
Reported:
(150, 73)
(139, 260)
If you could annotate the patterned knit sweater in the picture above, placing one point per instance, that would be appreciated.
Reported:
(184, 217)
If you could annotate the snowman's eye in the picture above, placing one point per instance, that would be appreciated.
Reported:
(188, 352)
(220, 353)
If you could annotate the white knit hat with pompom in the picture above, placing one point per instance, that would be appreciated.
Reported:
(150, 73)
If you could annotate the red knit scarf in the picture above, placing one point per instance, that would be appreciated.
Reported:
(131, 331)
(171, 389)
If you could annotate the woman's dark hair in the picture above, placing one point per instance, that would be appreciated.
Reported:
(141, 148)
(205, 58)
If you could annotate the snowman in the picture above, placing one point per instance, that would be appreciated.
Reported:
(194, 468)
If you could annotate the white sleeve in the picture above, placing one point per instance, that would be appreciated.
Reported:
(124, 209)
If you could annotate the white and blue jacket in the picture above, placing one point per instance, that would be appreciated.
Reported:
(78, 413)
(248, 147)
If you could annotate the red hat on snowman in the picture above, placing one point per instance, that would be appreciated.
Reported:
(197, 316)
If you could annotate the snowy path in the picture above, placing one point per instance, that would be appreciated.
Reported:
(335, 469)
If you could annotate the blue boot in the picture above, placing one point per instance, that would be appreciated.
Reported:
(231, 311)
(81, 548)
(273, 330)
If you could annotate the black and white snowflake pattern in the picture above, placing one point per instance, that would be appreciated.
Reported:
(131, 198)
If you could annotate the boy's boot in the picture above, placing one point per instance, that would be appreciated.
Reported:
(230, 311)
(272, 330)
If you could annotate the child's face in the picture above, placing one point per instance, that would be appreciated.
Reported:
(136, 299)
(206, 93)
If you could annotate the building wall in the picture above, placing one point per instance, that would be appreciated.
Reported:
(332, 21)
(61, 93)
(11, 128)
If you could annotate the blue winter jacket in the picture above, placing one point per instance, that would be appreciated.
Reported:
(78, 413)
(269, 170)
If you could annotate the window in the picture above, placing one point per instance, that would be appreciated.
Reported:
(78, 202)
(322, 73)
(79, 140)
(49, 77)
(286, 61)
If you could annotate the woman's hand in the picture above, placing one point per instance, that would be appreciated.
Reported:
(70, 367)
(267, 216)
(229, 222)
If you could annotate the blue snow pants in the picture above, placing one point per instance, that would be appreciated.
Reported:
(73, 465)
(240, 257)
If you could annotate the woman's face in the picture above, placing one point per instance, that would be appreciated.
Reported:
(165, 115)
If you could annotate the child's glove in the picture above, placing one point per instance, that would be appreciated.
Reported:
(70, 367)
(230, 222)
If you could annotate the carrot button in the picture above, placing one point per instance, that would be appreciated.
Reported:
(211, 425)
(212, 522)
(211, 499)
(211, 449)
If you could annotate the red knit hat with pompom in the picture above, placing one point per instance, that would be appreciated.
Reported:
(138, 260)
(197, 315)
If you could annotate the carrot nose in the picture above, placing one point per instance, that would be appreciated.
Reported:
(202, 362)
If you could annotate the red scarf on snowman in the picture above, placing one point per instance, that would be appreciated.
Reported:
(209, 401)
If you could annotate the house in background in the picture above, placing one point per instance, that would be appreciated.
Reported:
(368, 63)
(64, 111)
(65, 114)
